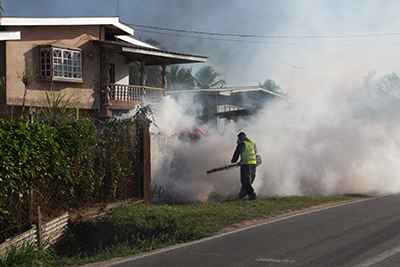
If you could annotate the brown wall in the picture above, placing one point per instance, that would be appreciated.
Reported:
(22, 53)
(2, 70)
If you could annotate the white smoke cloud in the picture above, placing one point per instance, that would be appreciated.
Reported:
(331, 143)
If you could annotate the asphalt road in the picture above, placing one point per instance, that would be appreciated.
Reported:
(363, 233)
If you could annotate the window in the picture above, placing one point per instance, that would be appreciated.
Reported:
(61, 64)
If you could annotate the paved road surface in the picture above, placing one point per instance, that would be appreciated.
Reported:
(363, 233)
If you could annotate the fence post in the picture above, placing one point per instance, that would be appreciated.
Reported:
(40, 238)
(146, 163)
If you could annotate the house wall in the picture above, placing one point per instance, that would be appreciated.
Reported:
(121, 69)
(25, 52)
(2, 70)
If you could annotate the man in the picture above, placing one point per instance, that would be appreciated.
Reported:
(247, 150)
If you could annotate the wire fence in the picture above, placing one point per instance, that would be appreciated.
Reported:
(168, 161)
(116, 177)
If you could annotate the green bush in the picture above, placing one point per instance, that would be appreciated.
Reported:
(64, 166)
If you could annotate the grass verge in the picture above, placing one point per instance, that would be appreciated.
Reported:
(133, 229)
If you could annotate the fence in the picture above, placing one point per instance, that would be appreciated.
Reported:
(168, 161)
(120, 160)
(52, 231)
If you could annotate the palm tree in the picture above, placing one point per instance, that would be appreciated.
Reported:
(1, 9)
(180, 78)
(153, 73)
(207, 77)
(389, 84)
(271, 86)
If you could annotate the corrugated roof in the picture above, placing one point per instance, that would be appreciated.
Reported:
(229, 90)
(157, 54)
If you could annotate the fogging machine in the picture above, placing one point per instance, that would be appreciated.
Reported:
(234, 165)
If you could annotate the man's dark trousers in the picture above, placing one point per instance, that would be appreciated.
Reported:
(247, 176)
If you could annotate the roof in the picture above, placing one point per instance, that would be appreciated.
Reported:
(135, 41)
(230, 90)
(153, 55)
(132, 48)
(113, 22)
(10, 35)
(236, 113)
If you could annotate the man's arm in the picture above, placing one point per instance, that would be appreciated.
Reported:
(239, 149)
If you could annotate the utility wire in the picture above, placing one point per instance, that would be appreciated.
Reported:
(263, 36)
(264, 42)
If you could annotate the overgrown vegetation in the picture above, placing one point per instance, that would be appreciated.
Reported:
(135, 229)
(58, 164)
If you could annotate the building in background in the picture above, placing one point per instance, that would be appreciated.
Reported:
(222, 107)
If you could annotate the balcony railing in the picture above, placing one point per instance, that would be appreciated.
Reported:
(135, 93)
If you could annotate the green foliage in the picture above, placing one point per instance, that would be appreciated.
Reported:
(180, 78)
(60, 108)
(64, 164)
(153, 73)
(2, 83)
(144, 115)
(1, 10)
(26, 254)
(41, 155)
(271, 86)
(207, 77)
(27, 75)
(389, 84)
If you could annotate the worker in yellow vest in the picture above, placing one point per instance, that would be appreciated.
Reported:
(247, 150)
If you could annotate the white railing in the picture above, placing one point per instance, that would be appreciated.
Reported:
(135, 93)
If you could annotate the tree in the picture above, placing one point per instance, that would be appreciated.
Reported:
(180, 78)
(390, 84)
(387, 87)
(271, 86)
(153, 73)
(1, 10)
(207, 77)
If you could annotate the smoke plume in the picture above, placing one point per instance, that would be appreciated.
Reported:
(329, 143)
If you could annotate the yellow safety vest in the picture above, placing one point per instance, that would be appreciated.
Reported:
(249, 155)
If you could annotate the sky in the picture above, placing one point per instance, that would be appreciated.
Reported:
(304, 46)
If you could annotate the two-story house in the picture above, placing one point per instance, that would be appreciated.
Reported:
(88, 57)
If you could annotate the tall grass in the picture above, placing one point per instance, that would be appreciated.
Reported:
(27, 254)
